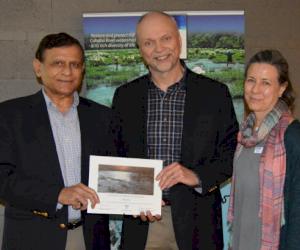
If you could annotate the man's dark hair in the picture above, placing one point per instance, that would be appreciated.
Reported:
(55, 41)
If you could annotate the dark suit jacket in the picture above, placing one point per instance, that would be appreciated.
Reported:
(31, 178)
(208, 144)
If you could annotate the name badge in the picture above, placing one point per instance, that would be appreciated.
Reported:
(258, 150)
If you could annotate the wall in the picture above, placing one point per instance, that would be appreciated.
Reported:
(269, 24)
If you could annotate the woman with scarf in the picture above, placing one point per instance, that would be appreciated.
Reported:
(264, 208)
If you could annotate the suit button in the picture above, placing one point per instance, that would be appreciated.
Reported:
(212, 189)
(62, 226)
(45, 214)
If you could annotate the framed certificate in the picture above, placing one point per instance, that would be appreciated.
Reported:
(125, 185)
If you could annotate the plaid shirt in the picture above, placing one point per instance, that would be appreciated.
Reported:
(165, 123)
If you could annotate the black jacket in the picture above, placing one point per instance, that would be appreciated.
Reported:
(31, 178)
(208, 145)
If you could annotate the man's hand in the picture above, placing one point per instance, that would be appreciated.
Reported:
(77, 196)
(176, 173)
(148, 216)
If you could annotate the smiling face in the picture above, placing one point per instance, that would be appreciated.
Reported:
(159, 43)
(61, 71)
(262, 88)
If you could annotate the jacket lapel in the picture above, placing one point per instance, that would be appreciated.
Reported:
(192, 120)
(44, 134)
(86, 132)
(144, 101)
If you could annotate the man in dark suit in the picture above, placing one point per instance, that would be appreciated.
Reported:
(188, 121)
(45, 143)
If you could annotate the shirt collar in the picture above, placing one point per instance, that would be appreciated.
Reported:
(50, 103)
(181, 84)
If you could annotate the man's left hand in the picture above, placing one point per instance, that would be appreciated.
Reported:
(176, 173)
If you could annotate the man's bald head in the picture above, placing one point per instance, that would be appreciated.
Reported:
(154, 15)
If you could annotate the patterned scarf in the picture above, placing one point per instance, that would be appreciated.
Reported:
(271, 170)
